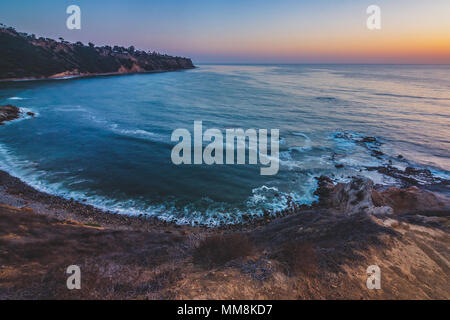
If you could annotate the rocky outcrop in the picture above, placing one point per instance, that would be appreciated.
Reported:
(356, 196)
(372, 144)
(8, 113)
(412, 201)
(25, 56)
(411, 176)
(315, 253)
(350, 198)
(360, 196)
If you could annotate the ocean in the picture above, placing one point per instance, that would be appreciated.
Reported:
(106, 141)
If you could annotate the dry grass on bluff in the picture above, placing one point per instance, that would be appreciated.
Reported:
(297, 258)
(309, 255)
(219, 249)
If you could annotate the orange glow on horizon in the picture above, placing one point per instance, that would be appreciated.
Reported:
(410, 47)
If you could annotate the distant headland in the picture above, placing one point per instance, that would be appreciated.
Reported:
(24, 56)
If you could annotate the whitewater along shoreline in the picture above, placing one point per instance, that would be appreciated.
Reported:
(312, 253)
(15, 192)
(304, 252)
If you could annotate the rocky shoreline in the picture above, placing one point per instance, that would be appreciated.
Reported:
(412, 195)
(15, 192)
(318, 252)
(304, 252)
(355, 197)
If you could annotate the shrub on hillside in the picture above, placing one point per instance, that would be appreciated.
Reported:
(297, 258)
(219, 249)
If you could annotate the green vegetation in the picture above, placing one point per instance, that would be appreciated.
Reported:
(25, 56)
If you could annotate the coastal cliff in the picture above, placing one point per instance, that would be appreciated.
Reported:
(320, 251)
(24, 56)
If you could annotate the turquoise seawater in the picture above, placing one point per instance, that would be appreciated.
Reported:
(106, 140)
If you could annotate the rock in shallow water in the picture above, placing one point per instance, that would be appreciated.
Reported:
(8, 113)
(411, 176)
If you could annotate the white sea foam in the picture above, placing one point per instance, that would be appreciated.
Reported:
(116, 128)
(138, 133)
(24, 112)
(307, 143)
(25, 171)
(16, 98)
(299, 161)
(214, 213)
(207, 212)
(69, 108)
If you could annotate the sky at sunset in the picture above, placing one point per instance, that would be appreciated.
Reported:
(250, 31)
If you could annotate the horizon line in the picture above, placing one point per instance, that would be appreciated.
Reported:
(319, 63)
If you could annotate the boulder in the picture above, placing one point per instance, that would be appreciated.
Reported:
(8, 113)
(356, 197)
(413, 201)
(350, 198)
